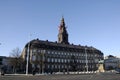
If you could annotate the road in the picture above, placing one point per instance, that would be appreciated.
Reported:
(96, 76)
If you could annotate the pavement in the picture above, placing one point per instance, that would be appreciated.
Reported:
(95, 76)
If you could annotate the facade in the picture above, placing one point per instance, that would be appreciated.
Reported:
(1, 60)
(111, 62)
(5, 63)
(62, 56)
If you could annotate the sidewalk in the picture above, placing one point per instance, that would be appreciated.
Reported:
(57, 73)
(17, 75)
(23, 74)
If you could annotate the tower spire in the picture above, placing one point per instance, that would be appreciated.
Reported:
(62, 35)
(62, 22)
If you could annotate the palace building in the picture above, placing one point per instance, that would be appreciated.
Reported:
(61, 56)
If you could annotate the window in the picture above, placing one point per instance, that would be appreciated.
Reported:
(68, 60)
(56, 66)
(69, 66)
(39, 51)
(48, 59)
(33, 58)
(62, 66)
(65, 60)
(56, 53)
(62, 60)
(48, 66)
(48, 52)
(61, 53)
(52, 66)
(77, 60)
(56, 59)
(82, 55)
(83, 61)
(80, 61)
(33, 65)
(52, 59)
(65, 54)
(34, 50)
(69, 54)
(65, 66)
(38, 58)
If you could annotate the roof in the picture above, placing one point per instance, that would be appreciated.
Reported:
(48, 44)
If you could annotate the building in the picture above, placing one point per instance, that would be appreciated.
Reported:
(1, 60)
(111, 62)
(61, 56)
(5, 63)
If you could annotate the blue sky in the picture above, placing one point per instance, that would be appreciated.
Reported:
(89, 22)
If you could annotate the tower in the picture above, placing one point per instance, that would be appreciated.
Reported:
(62, 35)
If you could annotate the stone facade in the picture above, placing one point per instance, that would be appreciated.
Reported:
(111, 62)
(61, 56)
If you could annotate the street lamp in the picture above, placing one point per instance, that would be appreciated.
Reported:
(27, 61)
(27, 58)
(93, 67)
(43, 58)
(86, 59)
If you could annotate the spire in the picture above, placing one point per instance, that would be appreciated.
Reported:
(62, 22)
(63, 35)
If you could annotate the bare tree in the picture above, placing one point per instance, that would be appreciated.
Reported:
(16, 60)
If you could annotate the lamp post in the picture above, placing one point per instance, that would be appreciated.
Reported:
(86, 59)
(43, 58)
(27, 61)
(27, 58)
(93, 67)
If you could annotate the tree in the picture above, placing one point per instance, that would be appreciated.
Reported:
(15, 60)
